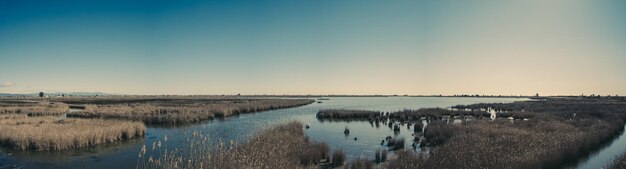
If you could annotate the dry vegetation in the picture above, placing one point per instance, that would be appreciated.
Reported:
(527, 144)
(554, 138)
(180, 111)
(281, 146)
(402, 116)
(50, 133)
(32, 108)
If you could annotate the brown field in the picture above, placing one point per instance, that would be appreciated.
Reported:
(180, 111)
(20, 131)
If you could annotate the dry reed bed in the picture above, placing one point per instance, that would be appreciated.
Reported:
(39, 108)
(594, 107)
(185, 111)
(280, 146)
(403, 115)
(550, 140)
(48, 133)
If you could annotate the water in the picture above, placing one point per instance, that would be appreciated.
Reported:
(606, 154)
(124, 154)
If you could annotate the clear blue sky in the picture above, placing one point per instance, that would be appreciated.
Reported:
(314, 47)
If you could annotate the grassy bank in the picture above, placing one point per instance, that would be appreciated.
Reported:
(180, 111)
(20, 131)
(280, 146)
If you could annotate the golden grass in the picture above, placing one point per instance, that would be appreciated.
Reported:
(41, 108)
(47, 133)
(180, 111)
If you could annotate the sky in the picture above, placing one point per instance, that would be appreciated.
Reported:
(509, 47)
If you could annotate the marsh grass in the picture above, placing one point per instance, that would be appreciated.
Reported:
(545, 143)
(280, 146)
(23, 132)
(437, 133)
(32, 108)
(338, 158)
(184, 111)
(406, 115)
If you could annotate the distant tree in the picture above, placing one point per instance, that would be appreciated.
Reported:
(62, 95)
(40, 94)
(537, 95)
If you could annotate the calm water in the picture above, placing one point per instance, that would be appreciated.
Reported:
(124, 155)
(601, 158)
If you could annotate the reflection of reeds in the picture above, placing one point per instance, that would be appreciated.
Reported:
(396, 143)
(281, 146)
(185, 111)
(48, 133)
(380, 156)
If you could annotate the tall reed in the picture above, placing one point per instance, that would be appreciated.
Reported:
(50, 133)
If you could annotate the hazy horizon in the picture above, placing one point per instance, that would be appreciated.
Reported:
(317, 47)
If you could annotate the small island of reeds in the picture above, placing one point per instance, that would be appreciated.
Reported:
(51, 133)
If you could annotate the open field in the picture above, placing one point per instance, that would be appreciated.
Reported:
(20, 131)
(180, 111)
(280, 146)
